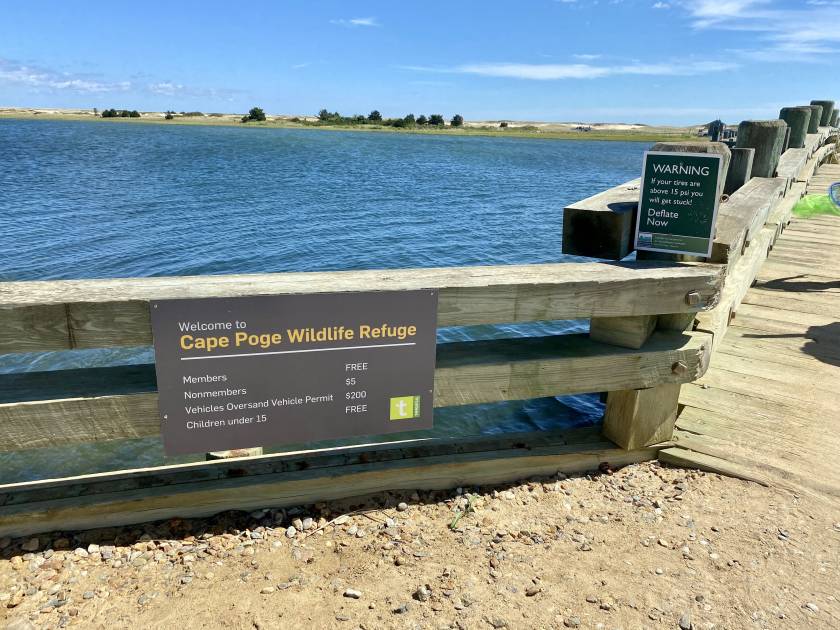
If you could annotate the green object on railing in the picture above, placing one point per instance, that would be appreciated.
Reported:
(812, 205)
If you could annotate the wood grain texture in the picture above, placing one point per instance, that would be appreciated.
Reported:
(746, 212)
(627, 332)
(69, 314)
(467, 373)
(602, 226)
(738, 281)
(767, 408)
(199, 495)
(641, 417)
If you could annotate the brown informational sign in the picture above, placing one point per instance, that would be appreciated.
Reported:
(261, 371)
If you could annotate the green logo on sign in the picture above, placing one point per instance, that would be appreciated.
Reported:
(405, 408)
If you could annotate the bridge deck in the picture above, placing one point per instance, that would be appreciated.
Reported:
(825, 177)
(768, 409)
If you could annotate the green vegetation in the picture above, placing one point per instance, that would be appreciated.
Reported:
(813, 205)
(421, 125)
(255, 113)
(120, 113)
(169, 115)
(334, 119)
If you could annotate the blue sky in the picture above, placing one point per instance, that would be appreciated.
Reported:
(653, 61)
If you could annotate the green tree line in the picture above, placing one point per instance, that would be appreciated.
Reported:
(120, 113)
(326, 117)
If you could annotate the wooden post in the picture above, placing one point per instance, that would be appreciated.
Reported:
(647, 416)
(816, 117)
(767, 138)
(798, 119)
(827, 110)
(740, 169)
(641, 417)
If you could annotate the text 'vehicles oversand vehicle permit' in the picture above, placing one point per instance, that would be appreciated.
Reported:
(679, 202)
(268, 370)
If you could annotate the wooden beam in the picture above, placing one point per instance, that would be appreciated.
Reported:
(738, 282)
(213, 487)
(741, 218)
(467, 373)
(602, 226)
(791, 163)
(641, 417)
(627, 332)
(70, 314)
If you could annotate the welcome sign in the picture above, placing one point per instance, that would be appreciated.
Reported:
(679, 202)
(256, 371)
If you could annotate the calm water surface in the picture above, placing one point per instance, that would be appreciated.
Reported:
(94, 199)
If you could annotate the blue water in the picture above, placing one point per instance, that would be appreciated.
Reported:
(95, 199)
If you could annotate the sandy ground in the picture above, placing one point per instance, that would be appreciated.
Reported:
(645, 547)
(289, 118)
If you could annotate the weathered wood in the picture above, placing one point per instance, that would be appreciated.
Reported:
(827, 111)
(780, 215)
(239, 452)
(816, 118)
(738, 281)
(767, 137)
(676, 321)
(797, 119)
(767, 407)
(743, 215)
(740, 169)
(61, 315)
(467, 373)
(201, 495)
(641, 417)
(685, 458)
(602, 226)
(791, 163)
(627, 332)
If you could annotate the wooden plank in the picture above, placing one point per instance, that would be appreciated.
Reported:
(791, 163)
(749, 207)
(738, 281)
(641, 417)
(780, 215)
(198, 496)
(627, 332)
(467, 373)
(69, 314)
(602, 226)
(685, 458)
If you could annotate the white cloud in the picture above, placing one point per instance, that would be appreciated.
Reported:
(359, 21)
(167, 88)
(587, 57)
(35, 77)
(785, 34)
(661, 5)
(554, 72)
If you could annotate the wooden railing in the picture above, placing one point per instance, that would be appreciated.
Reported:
(653, 325)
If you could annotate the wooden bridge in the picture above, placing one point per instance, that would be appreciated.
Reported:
(765, 410)
(768, 408)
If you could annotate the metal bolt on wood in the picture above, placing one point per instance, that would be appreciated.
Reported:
(679, 368)
(693, 298)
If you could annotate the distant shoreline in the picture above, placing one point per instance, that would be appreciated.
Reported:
(546, 131)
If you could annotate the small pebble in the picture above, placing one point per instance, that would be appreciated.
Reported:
(402, 506)
(353, 593)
